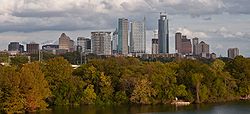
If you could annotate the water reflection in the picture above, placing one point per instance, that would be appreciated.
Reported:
(228, 108)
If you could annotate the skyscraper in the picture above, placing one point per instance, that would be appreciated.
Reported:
(123, 36)
(186, 46)
(178, 42)
(101, 43)
(182, 44)
(138, 38)
(163, 34)
(233, 52)
(195, 46)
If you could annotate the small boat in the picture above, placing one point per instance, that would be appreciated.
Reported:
(180, 103)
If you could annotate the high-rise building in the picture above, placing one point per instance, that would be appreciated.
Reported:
(101, 43)
(233, 52)
(195, 46)
(32, 48)
(51, 48)
(186, 46)
(65, 43)
(155, 46)
(123, 36)
(182, 44)
(203, 49)
(163, 34)
(84, 44)
(114, 42)
(15, 47)
(178, 42)
(138, 38)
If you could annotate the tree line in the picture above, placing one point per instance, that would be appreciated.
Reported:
(28, 87)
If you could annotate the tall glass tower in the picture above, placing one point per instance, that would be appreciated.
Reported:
(163, 34)
(122, 47)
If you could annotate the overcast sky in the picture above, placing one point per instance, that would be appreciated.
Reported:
(221, 23)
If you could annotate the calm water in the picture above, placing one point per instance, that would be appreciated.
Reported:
(226, 108)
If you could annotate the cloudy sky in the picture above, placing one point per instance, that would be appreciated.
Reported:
(220, 23)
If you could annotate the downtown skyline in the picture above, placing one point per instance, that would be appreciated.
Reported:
(222, 24)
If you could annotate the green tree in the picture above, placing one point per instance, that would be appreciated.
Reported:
(11, 100)
(143, 92)
(34, 87)
(58, 72)
(19, 60)
(106, 89)
(196, 80)
(89, 95)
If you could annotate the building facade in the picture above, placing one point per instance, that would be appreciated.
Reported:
(203, 49)
(195, 46)
(32, 48)
(182, 44)
(138, 38)
(163, 34)
(123, 26)
(65, 43)
(178, 42)
(186, 46)
(115, 42)
(50, 48)
(101, 43)
(155, 46)
(84, 44)
(15, 47)
(233, 52)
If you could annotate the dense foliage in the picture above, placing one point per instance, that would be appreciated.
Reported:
(120, 80)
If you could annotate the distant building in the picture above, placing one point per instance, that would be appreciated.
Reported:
(163, 34)
(155, 46)
(85, 44)
(182, 44)
(195, 46)
(21, 48)
(155, 56)
(178, 42)
(186, 46)
(65, 43)
(213, 56)
(50, 48)
(123, 36)
(101, 43)
(233, 52)
(15, 47)
(138, 38)
(115, 42)
(203, 49)
(32, 48)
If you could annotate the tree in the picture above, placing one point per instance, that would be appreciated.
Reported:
(143, 92)
(58, 72)
(11, 100)
(89, 95)
(196, 80)
(19, 60)
(106, 89)
(33, 87)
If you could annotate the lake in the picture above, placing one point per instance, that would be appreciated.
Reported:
(242, 107)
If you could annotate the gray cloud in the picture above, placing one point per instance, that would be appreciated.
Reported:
(39, 15)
